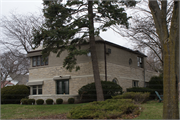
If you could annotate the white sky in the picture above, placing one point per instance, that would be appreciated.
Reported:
(34, 6)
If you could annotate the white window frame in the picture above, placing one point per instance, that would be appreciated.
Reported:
(37, 88)
(135, 83)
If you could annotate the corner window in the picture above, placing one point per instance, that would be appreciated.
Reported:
(39, 61)
(135, 83)
(62, 87)
(37, 90)
(140, 62)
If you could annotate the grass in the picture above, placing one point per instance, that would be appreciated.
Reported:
(16, 111)
(151, 110)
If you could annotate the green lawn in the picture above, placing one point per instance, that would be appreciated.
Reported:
(151, 110)
(14, 111)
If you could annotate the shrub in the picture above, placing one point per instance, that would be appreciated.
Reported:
(39, 101)
(31, 101)
(49, 101)
(24, 101)
(144, 90)
(71, 100)
(59, 101)
(126, 95)
(141, 97)
(87, 93)
(156, 83)
(14, 94)
(138, 97)
(108, 109)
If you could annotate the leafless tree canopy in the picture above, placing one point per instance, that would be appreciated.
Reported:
(17, 30)
(13, 64)
(142, 33)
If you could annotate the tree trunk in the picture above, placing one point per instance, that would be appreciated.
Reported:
(95, 66)
(170, 43)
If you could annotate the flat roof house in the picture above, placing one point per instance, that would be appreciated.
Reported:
(49, 79)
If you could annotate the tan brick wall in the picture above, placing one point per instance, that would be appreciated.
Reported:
(123, 74)
(77, 83)
(39, 73)
(49, 87)
(54, 97)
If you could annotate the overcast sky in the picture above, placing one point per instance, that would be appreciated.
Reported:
(34, 6)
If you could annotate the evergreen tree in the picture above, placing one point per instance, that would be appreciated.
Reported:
(67, 25)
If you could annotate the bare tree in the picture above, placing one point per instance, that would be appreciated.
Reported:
(153, 63)
(17, 30)
(13, 64)
(142, 33)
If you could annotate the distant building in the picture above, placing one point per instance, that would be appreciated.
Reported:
(17, 80)
(6, 83)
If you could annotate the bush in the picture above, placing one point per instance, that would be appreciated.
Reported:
(31, 101)
(59, 101)
(109, 109)
(156, 83)
(14, 94)
(49, 101)
(138, 97)
(40, 101)
(144, 90)
(87, 93)
(71, 100)
(24, 101)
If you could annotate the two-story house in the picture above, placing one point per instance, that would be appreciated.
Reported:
(121, 65)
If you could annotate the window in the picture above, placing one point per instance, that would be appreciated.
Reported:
(140, 62)
(34, 90)
(37, 90)
(134, 83)
(62, 87)
(146, 84)
(130, 61)
(39, 61)
(114, 80)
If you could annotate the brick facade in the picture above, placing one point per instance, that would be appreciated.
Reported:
(118, 68)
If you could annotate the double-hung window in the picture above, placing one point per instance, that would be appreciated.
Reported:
(39, 61)
(62, 87)
(37, 89)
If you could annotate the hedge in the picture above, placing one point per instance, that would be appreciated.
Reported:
(87, 93)
(156, 83)
(14, 94)
(31, 101)
(40, 101)
(138, 97)
(59, 101)
(49, 101)
(144, 90)
(71, 100)
(109, 109)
